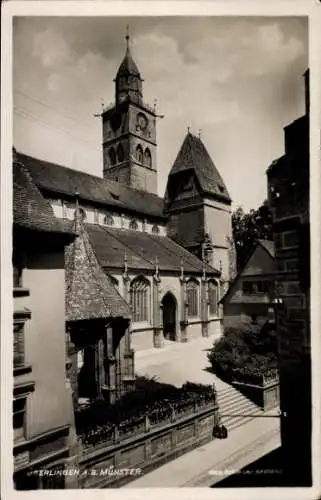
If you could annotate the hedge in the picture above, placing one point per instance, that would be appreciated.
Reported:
(247, 349)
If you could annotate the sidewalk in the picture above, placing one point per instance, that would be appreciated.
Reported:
(218, 459)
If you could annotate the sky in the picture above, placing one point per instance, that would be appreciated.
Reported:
(237, 79)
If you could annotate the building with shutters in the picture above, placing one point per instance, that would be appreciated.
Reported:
(288, 188)
(42, 433)
(169, 258)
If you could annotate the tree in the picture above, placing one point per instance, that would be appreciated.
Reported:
(248, 228)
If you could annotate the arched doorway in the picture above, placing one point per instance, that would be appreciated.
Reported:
(169, 316)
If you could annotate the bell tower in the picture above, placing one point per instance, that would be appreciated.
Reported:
(129, 131)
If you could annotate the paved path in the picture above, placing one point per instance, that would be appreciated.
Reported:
(179, 362)
(211, 463)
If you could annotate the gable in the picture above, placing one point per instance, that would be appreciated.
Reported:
(261, 262)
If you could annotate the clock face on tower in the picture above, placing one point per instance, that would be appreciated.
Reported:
(142, 121)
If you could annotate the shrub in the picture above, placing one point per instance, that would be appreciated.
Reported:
(248, 349)
(150, 398)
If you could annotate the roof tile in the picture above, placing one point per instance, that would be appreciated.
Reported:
(142, 250)
(193, 155)
(59, 179)
(90, 293)
(30, 209)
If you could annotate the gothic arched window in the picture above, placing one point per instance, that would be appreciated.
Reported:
(147, 158)
(212, 296)
(155, 229)
(139, 154)
(133, 225)
(120, 153)
(192, 297)
(112, 156)
(139, 299)
(108, 220)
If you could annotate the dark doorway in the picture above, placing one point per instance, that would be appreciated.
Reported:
(169, 316)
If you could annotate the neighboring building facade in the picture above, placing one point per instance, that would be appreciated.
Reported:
(250, 295)
(288, 187)
(42, 432)
(173, 293)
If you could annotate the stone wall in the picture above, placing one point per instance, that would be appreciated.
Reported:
(146, 450)
(263, 392)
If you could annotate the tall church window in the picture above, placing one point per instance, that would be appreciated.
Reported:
(212, 297)
(139, 299)
(133, 225)
(192, 297)
(147, 158)
(112, 156)
(108, 220)
(139, 154)
(120, 153)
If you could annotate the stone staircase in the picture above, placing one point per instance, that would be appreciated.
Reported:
(235, 408)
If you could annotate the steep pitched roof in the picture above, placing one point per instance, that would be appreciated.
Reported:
(59, 179)
(141, 249)
(90, 293)
(268, 246)
(128, 65)
(30, 209)
(193, 155)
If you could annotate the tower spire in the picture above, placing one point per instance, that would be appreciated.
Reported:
(127, 37)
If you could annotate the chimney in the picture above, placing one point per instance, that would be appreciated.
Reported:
(306, 76)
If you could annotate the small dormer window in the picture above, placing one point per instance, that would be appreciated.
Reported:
(64, 210)
(186, 184)
(221, 188)
(82, 213)
(133, 225)
(108, 220)
(155, 229)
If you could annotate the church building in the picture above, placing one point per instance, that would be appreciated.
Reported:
(169, 258)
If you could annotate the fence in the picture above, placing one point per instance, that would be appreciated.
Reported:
(144, 444)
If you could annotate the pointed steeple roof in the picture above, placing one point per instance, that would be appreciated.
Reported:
(128, 65)
(128, 80)
(194, 156)
(90, 293)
